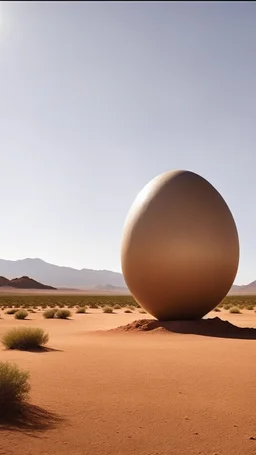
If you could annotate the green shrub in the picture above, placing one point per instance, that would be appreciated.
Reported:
(81, 310)
(21, 314)
(24, 338)
(235, 310)
(107, 309)
(62, 314)
(14, 388)
(49, 314)
(12, 311)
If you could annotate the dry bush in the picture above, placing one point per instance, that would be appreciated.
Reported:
(249, 307)
(49, 314)
(25, 338)
(14, 388)
(227, 306)
(81, 310)
(235, 310)
(93, 305)
(21, 314)
(62, 314)
(107, 309)
(12, 311)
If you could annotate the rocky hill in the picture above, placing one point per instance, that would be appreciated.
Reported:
(23, 282)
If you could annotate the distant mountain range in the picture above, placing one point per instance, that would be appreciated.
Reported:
(247, 289)
(70, 278)
(23, 282)
(62, 277)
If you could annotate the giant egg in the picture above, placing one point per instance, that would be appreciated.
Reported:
(180, 247)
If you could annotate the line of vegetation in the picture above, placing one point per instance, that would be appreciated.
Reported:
(14, 302)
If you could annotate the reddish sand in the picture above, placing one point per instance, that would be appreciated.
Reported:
(150, 393)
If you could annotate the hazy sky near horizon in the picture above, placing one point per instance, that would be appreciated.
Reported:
(97, 98)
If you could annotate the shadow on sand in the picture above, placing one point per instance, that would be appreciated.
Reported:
(29, 418)
(38, 350)
(215, 327)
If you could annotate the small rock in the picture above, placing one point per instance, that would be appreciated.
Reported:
(252, 438)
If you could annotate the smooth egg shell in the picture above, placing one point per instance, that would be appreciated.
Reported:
(180, 247)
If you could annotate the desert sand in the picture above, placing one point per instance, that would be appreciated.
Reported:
(5, 290)
(101, 392)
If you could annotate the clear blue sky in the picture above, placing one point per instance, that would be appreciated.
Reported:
(98, 98)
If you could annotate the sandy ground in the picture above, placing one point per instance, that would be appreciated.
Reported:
(127, 393)
(5, 290)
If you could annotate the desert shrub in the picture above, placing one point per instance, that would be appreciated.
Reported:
(93, 305)
(81, 310)
(130, 307)
(249, 307)
(142, 311)
(235, 310)
(217, 309)
(25, 338)
(21, 314)
(14, 388)
(49, 314)
(62, 314)
(107, 309)
(117, 307)
(12, 311)
(227, 306)
(127, 310)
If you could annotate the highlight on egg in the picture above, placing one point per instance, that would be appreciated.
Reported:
(180, 247)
